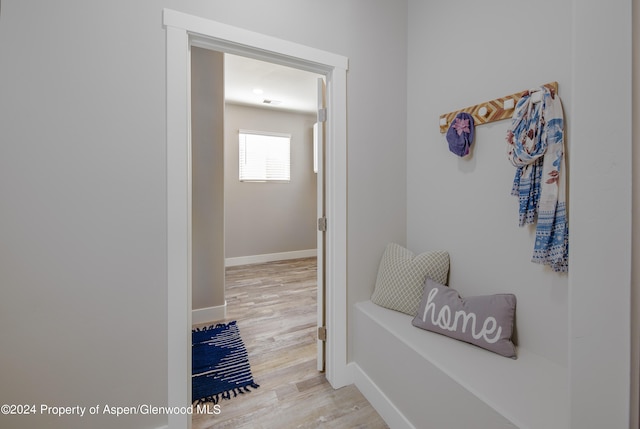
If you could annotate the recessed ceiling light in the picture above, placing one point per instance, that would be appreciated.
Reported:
(257, 91)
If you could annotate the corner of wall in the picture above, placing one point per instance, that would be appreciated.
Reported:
(635, 249)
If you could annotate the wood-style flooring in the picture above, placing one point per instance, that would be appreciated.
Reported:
(275, 306)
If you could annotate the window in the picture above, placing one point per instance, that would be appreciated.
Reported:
(264, 156)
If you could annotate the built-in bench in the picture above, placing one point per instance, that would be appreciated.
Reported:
(420, 379)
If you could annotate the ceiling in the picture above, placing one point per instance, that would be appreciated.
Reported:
(282, 87)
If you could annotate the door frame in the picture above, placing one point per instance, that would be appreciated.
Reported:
(182, 32)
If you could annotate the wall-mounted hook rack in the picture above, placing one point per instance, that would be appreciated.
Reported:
(490, 111)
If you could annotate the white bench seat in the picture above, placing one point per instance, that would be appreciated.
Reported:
(436, 382)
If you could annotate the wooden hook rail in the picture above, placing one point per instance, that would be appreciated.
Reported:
(490, 111)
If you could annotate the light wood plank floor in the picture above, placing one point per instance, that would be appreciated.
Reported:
(275, 306)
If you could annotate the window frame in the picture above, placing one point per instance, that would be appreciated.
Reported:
(278, 164)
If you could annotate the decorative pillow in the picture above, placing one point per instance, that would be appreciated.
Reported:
(401, 277)
(486, 321)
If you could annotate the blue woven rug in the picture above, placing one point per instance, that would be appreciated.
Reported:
(220, 365)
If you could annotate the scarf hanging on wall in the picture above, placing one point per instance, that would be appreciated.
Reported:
(535, 145)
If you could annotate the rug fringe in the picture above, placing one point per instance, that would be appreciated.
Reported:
(217, 326)
(226, 394)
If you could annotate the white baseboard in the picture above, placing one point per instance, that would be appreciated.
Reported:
(209, 314)
(269, 257)
(378, 400)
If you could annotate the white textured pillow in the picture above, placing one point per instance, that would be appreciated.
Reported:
(401, 277)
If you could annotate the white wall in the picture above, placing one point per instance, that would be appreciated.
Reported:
(83, 302)
(207, 200)
(464, 204)
(83, 180)
(264, 218)
(601, 165)
(466, 52)
(377, 156)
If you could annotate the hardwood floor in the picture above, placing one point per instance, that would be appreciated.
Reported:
(275, 306)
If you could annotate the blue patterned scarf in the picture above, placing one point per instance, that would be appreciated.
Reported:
(535, 145)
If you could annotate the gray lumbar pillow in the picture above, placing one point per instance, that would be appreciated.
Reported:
(486, 321)
(401, 276)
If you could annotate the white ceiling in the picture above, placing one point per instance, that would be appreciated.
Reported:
(294, 89)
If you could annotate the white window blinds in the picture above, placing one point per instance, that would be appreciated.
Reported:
(264, 156)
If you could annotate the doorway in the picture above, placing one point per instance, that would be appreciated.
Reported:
(255, 185)
(184, 31)
(270, 203)
(263, 208)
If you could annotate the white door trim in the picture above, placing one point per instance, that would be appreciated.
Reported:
(184, 31)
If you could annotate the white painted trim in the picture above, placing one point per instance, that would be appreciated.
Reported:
(378, 400)
(239, 40)
(270, 257)
(336, 235)
(209, 314)
(178, 232)
(184, 31)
